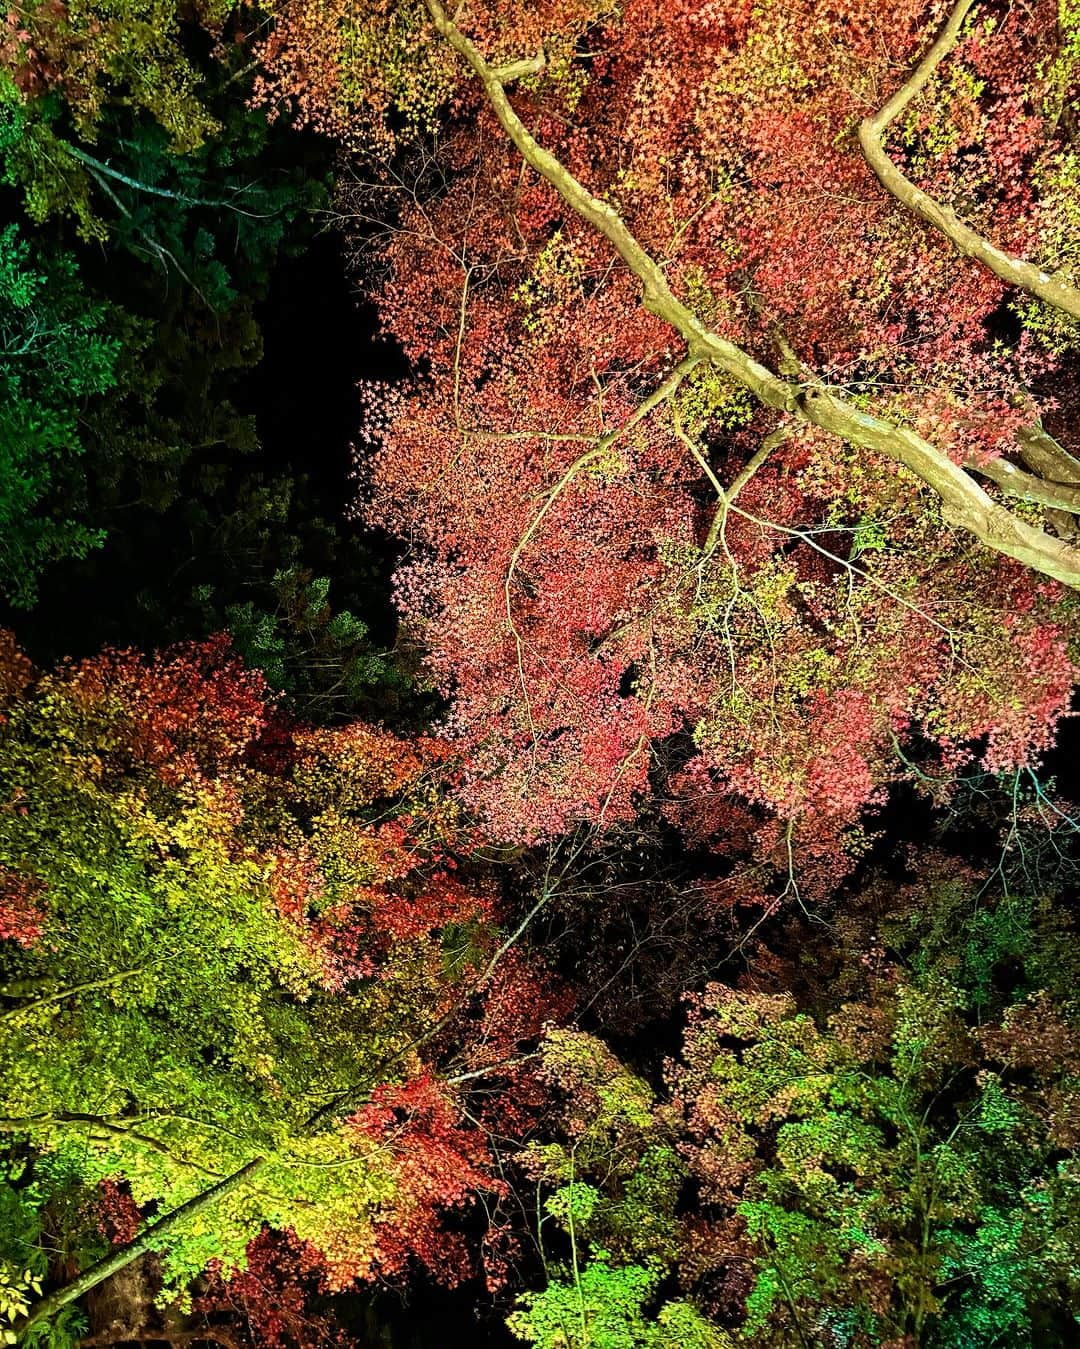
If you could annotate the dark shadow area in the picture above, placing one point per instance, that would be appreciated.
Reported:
(241, 514)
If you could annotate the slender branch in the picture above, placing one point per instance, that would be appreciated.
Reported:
(109, 1127)
(17, 1124)
(596, 451)
(65, 993)
(598, 448)
(771, 441)
(143, 1338)
(966, 504)
(491, 1068)
(513, 938)
(158, 249)
(97, 167)
(1015, 271)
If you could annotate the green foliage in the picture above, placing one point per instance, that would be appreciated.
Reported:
(205, 231)
(943, 927)
(1061, 73)
(612, 1130)
(17, 1291)
(898, 1163)
(56, 354)
(215, 218)
(711, 402)
(623, 1214)
(39, 163)
(170, 465)
(608, 1308)
(573, 1204)
(322, 658)
(905, 1175)
(194, 979)
(34, 1207)
(161, 458)
(1059, 181)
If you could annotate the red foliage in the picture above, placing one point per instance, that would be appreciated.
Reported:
(438, 1165)
(27, 55)
(438, 900)
(22, 918)
(117, 1216)
(189, 712)
(520, 998)
(16, 670)
(567, 598)
(272, 1296)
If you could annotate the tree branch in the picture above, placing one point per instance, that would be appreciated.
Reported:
(1062, 496)
(966, 504)
(771, 441)
(107, 1126)
(61, 994)
(1044, 456)
(148, 1240)
(97, 167)
(1015, 271)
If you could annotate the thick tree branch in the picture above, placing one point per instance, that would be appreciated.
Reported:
(1062, 496)
(966, 504)
(1015, 271)
(1044, 456)
(149, 1239)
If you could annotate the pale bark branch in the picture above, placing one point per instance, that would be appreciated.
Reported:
(1044, 456)
(1062, 496)
(97, 167)
(1048, 287)
(61, 995)
(966, 504)
(110, 1128)
(727, 497)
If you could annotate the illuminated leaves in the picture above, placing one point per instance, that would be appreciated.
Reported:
(584, 596)
(212, 954)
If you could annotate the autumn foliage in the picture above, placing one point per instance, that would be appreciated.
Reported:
(583, 598)
(665, 932)
(289, 960)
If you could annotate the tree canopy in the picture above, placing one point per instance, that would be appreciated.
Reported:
(535, 736)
